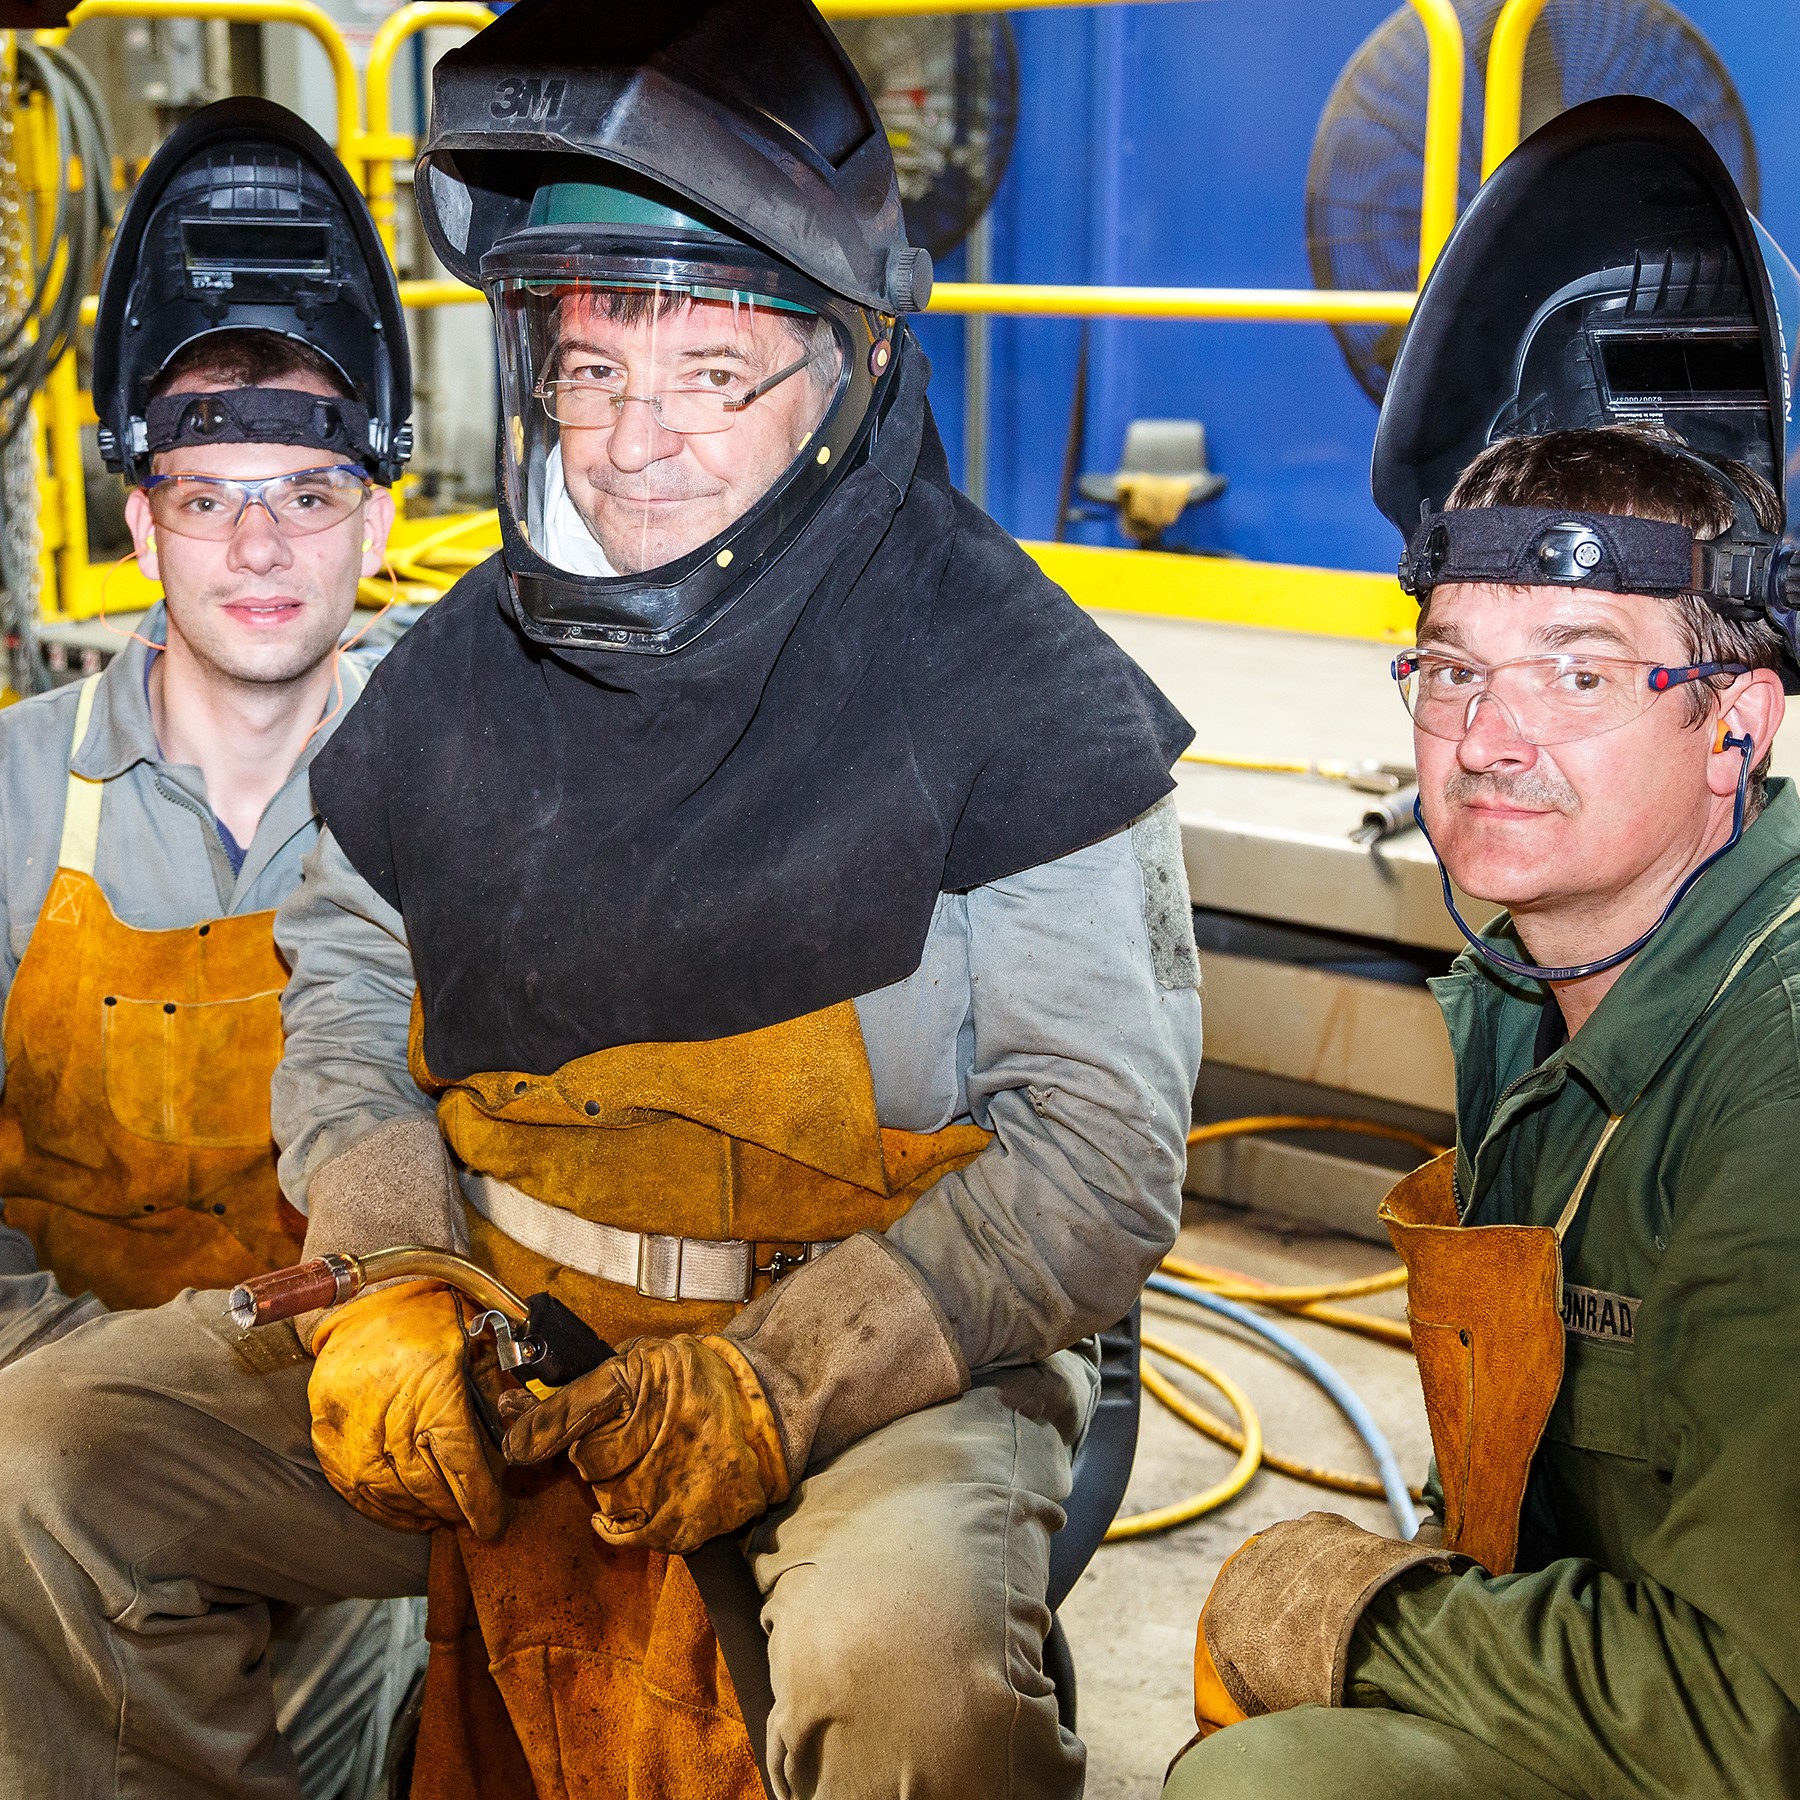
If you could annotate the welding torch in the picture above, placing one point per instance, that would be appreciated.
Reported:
(541, 1340)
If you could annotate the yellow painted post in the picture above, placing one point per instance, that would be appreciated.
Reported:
(62, 418)
(381, 148)
(1506, 82)
(302, 13)
(1443, 128)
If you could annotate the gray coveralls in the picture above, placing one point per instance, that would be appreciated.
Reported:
(340, 1671)
(904, 1580)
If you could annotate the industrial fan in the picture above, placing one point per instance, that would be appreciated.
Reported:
(947, 89)
(1362, 184)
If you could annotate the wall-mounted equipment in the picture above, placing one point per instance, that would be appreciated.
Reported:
(1362, 185)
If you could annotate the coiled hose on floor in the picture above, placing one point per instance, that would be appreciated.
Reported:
(1227, 1294)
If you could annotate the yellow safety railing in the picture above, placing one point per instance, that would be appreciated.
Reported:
(1505, 103)
(1443, 127)
(372, 152)
(309, 18)
(382, 147)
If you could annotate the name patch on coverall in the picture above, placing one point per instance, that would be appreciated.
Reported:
(1592, 1313)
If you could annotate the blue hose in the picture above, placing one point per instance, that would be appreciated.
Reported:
(1309, 1362)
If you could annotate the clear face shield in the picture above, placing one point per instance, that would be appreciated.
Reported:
(648, 410)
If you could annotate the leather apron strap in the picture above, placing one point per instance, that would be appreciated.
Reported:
(81, 806)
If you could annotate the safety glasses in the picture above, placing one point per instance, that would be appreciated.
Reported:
(212, 506)
(1548, 699)
(708, 400)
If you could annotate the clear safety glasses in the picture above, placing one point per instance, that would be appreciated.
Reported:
(1548, 699)
(212, 506)
(592, 396)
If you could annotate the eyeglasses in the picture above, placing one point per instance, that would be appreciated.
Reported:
(212, 506)
(1548, 699)
(710, 401)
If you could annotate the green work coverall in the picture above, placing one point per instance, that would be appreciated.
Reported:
(1650, 1643)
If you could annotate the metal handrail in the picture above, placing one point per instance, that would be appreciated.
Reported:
(371, 153)
(894, 9)
(302, 13)
(1447, 60)
(1505, 102)
(1343, 306)
(381, 147)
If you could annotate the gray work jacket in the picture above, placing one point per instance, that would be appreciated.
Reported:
(1057, 1008)
(160, 862)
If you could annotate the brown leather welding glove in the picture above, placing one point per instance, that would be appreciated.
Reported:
(392, 1423)
(676, 1437)
(1275, 1630)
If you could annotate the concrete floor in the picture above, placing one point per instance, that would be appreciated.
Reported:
(1131, 1618)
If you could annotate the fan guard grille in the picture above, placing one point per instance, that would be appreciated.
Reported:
(947, 90)
(1368, 155)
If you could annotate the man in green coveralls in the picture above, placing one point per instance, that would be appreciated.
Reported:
(1607, 1303)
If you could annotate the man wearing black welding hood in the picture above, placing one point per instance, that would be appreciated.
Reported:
(752, 912)
(1585, 443)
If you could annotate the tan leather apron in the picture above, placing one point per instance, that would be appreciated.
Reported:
(134, 1128)
(589, 1671)
(1486, 1305)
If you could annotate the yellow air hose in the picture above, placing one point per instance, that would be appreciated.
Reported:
(1312, 1301)
(1250, 1441)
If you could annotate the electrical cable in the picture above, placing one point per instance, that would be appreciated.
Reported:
(40, 308)
(1339, 1481)
(1250, 1448)
(1310, 1363)
(1222, 1292)
(35, 341)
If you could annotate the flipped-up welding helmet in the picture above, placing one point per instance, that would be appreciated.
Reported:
(245, 220)
(1608, 271)
(691, 217)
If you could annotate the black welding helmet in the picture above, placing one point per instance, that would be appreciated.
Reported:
(691, 226)
(244, 220)
(1608, 271)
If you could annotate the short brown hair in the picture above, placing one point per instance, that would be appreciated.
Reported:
(248, 359)
(1627, 469)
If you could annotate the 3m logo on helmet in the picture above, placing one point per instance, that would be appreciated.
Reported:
(528, 97)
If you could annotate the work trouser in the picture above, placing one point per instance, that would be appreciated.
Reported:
(337, 1674)
(158, 1488)
(1348, 1753)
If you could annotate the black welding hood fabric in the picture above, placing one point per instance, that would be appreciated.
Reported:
(592, 849)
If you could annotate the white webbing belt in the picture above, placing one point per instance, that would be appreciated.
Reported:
(659, 1267)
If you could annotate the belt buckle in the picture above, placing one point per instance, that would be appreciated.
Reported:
(659, 1266)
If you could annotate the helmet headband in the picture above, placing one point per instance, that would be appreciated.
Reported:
(1529, 546)
(258, 415)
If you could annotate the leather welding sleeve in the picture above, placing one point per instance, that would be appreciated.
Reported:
(360, 1152)
(1683, 1676)
(1079, 1050)
(1276, 1629)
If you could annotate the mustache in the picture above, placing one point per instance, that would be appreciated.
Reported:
(1536, 788)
